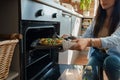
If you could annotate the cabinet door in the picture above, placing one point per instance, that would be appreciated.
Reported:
(65, 25)
(65, 28)
(76, 25)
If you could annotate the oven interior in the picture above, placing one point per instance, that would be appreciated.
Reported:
(38, 64)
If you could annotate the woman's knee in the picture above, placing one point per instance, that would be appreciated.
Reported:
(112, 67)
(112, 62)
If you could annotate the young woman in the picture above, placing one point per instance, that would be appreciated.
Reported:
(103, 38)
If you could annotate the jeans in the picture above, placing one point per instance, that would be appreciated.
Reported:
(111, 65)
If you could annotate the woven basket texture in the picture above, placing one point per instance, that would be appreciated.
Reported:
(6, 53)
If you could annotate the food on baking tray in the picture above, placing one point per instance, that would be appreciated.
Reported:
(51, 41)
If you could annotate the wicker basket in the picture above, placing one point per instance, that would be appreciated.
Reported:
(6, 52)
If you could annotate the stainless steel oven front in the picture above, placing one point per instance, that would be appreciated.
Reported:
(37, 21)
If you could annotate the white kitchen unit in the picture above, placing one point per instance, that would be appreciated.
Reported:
(70, 24)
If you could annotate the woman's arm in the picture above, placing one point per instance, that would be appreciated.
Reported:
(83, 43)
(111, 41)
(105, 42)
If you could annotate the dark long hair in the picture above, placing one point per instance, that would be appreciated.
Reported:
(101, 15)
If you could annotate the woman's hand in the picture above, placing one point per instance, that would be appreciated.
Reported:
(81, 44)
(65, 36)
(68, 37)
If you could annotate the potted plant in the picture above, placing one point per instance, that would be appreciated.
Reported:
(85, 6)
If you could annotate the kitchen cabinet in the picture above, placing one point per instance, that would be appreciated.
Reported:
(65, 28)
(66, 21)
(70, 24)
(76, 26)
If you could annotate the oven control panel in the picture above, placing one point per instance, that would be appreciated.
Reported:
(31, 10)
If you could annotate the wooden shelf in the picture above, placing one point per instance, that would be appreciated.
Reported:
(12, 75)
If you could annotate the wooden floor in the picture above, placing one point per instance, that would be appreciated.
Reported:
(82, 60)
(71, 74)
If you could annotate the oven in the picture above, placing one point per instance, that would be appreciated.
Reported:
(36, 62)
(38, 21)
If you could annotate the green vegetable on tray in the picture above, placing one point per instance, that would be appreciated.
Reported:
(51, 41)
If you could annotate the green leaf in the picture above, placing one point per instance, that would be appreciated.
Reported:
(85, 4)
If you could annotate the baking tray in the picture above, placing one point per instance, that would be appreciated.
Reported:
(36, 44)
